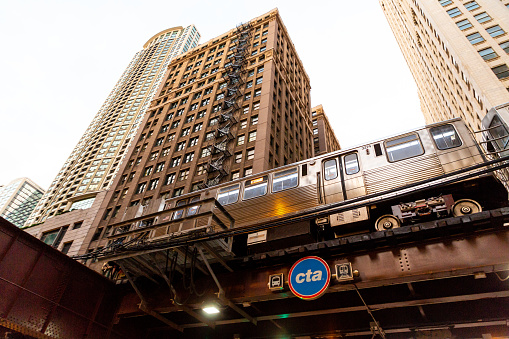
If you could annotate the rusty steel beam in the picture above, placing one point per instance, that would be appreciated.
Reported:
(375, 307)
(438, 259)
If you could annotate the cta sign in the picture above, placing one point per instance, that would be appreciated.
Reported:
(309, 277)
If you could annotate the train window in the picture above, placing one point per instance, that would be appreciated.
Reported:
(194, 209)
(403, 148)
(285, 179)
(178, 214)
(351, 163)
(445, 137)
(228, 195)
(330, 169)
(256, 187)
(181, 202)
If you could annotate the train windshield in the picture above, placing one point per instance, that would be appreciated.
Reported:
(445, 137)
(285, 179)
(256, 187)
(403, 148)
(499, 133)
(228, 195)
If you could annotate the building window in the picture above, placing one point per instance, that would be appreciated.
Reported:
(252, 136)
(153, 155)
(501, 71)
(166, 151)
(482, 17)
(159, 167)
(219, 96)
(170, 178)
(471, 5)
(200, 169)
(193, 106)
(201, 114)
(209, 136)
(259, 80)
(235, 175)
(248, 171)
(249, 84)
(445, 2)
(240, 140)
(181, 145)
(153, 184)
(495, 31)
(315, 130)
(464, 24)
(243, 124)
(454, 12)
(213, 121)
(505, 46)
(475, 38)
(188, 157)
(205, 102)
(178, 192)
(180, 112)
(159, 142)
(205, 152)
(250, 154)
(185, 132)
(238, 157)
(175, 124)
(256, 106)
(184, 174)
(193, 141)
(175, 162)
(488, 54)
(171, 137)
(197, 127)
(147, 171)
(141, 188)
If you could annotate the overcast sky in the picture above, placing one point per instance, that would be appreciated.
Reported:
(60, 60)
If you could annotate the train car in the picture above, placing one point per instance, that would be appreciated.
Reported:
(381, 169)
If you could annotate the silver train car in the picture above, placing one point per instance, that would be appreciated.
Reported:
(380, 172)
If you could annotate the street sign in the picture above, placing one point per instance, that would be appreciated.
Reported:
(309, 278)
(276, 282)
(344, 272)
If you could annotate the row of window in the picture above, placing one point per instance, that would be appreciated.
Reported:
(258, 187)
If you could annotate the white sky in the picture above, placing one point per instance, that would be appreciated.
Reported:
(60, 59)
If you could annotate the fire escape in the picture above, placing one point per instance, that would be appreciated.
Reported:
(229, 105)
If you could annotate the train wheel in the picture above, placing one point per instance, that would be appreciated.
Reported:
(387, 222)
(465, 206)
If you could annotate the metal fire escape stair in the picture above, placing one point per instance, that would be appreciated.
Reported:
(220, 151)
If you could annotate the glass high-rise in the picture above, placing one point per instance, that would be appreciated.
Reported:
(95, 160)
(18, 199)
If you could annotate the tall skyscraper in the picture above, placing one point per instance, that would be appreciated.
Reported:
(18, 199)
(457, 52)
(95, 160)
(237, 105)
(324, 138)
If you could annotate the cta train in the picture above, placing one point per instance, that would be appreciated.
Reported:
(379, 172)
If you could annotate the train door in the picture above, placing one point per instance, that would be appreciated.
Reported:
(332, 184)
(342, 178)
(352, 176)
